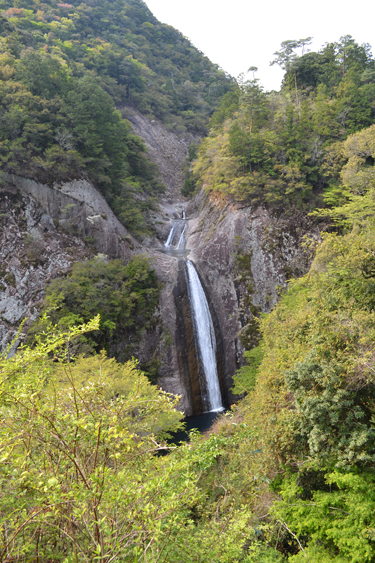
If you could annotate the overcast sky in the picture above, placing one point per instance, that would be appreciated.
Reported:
(237, 34)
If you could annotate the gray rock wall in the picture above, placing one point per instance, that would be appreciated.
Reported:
(166, 148)
(243, 255)
(32, 252)
(79, 209)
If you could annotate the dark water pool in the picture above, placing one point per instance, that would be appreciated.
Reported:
(202, 422)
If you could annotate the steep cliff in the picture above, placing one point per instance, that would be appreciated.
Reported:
(32, 252)
(244, 256)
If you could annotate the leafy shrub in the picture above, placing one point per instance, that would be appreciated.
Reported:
(125, 296)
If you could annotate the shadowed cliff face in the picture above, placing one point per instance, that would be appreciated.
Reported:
(185, 343)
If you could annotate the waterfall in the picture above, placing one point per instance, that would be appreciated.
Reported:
(171, 235)
(175, 238)
(181, 239)
(204, 336)
(204, 333)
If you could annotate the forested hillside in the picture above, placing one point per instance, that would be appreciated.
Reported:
(286, 148)
(87, 468)
(65, 68)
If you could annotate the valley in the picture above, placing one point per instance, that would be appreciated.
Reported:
(178, 243)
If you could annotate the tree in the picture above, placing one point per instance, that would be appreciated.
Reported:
(43, 75)
(125, 296)
(79, 477)
(286, 58)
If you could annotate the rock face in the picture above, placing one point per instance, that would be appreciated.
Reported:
(43, 231)
(166, 148)
(243, 256)
(164, 341)
(32, 252)
(79, 209)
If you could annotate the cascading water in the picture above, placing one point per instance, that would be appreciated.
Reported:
(175, 238)
(204, 333)
(170, 238)
(205, 337)
(181, 239)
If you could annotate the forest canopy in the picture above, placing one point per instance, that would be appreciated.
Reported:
(69, 73)
(285, 148)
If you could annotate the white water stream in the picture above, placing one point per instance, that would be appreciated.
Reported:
(175, 238)
(205, 336)
(204, 332)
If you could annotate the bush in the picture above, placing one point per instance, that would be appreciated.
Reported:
(125, 296)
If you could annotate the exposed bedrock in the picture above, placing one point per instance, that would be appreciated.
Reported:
(32, 252)
(166, 148)
(243, 256)
(80, 210)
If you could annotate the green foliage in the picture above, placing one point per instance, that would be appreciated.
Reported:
(276, 148)
(313, 402)
(80, 478)
(138, 60)
(318, 354)
(228, 106)
(353, 202)
(68, 128)
(245, 378)
(190, 182)
(335, 420)
(124, 296)
(338, 522)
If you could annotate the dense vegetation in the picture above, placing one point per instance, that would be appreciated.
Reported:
(310, 382)
(80, 478)
(285, 148)
(288, 474)
(65, 68)
(125, 297)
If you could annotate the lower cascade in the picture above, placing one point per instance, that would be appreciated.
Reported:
(205, 338)
(204, 333)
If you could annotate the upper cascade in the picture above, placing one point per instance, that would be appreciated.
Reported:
(176, 240)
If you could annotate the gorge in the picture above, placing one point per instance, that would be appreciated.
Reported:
(175, 242)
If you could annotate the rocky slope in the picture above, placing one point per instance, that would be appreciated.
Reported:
(166, 148)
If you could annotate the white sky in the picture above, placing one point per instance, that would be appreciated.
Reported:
(237, 34)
